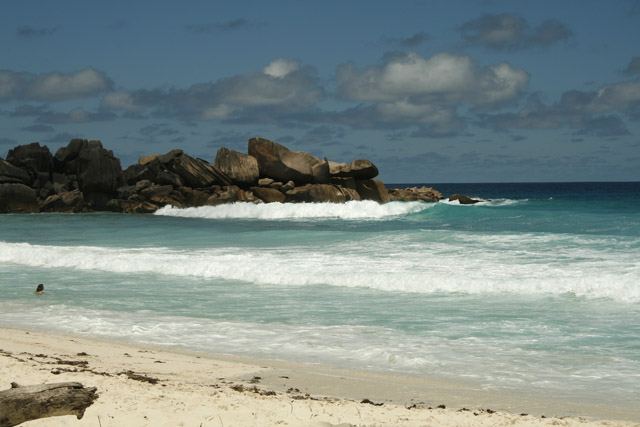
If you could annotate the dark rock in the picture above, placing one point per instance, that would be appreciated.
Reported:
(278, 162)
(320, 172)
(37, 161)
(135, 204)
(98, 170)
(71, 151)
(358, 169)
(141, 185)
(277, 185)
(17, 198)
(228, 194)
(345, 182)
(126, 191)
(10, 174)
(312, 193)
(241, 168)
(138, 172)
(97, 200)
(195, 173)
(193, 197)
(372, 189)
(463, 199)
(68, 202)
(268, 195)
(156, 191)
(168, 178)
(412, 194)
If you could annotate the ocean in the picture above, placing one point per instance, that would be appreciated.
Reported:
(535, 290)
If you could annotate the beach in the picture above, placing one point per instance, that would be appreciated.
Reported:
(149, 386)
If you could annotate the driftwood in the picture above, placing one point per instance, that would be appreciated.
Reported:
(20, 404)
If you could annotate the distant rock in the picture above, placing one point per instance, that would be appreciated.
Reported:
(17, 198)
(241, 168)
(67, 202)
(281, 164)
(358, 169)
(98, 170)
(37, 161)
(463, 199)
(269, 195)
(372, 189)
(195, 173)
(316, 193)
(10, 174)
(412, 194)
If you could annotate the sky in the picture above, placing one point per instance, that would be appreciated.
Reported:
(431, 91)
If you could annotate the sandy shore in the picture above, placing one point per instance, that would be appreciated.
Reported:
(204, 390)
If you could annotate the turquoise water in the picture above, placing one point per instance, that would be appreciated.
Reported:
(536, 290)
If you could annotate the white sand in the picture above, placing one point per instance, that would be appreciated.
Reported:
(205, 390)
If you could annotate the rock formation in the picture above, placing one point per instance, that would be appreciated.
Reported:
(463, 199)
(84, 176)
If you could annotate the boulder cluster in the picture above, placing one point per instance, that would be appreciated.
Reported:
(84, 176)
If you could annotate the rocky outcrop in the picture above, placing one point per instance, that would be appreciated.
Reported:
(357, 169)
(84, 176)
(37, 161)
(278, 162)
(17, 198)
(10, 174)
(196, 173)
(67, 202)
(372, 189)
(323, 193)
(463, 199)
(269, 195)
(241, 168)
(415, 194)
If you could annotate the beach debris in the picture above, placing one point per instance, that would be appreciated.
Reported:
(255, 380)
(371, 403)
(139, 377)
(25, 403)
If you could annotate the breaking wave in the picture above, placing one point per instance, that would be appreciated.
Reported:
(283, 211)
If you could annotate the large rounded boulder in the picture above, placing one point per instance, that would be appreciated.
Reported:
(278, 162)
(241, 168)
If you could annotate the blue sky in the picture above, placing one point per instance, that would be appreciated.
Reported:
(431, 91)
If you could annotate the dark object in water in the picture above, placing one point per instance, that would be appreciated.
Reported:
(39, 289)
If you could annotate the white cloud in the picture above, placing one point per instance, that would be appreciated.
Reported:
(442, 78)
(120, 100)
(10, 83)
(53, 86)
(616, 96)
(281, 67)
(61, 86)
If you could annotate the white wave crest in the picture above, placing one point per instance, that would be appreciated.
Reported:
(484, 264)
(482, 202)
(366, 209)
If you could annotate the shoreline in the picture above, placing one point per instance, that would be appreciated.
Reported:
(211, 389)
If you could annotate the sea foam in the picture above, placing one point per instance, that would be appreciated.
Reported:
(514, 264)
(365, 209)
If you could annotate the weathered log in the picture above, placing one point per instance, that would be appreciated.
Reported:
(24, 403)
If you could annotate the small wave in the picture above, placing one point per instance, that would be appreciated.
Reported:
(282, 211)
(490, 202)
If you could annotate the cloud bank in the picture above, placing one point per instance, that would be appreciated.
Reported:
(512, 32)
